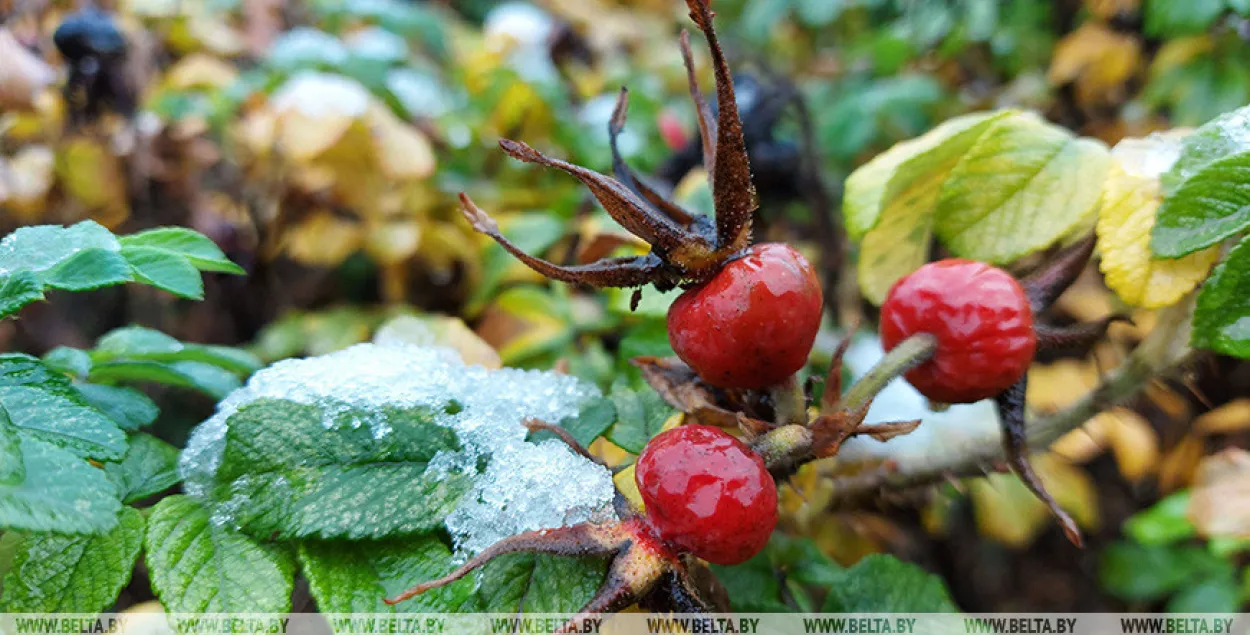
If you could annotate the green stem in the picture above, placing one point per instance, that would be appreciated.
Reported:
(908, 354)
(789, 403)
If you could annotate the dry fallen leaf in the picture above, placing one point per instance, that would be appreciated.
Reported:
(22, 74)
(1233, 416)
(1220, 501)
(323, 239)
(439, 330)
(1098, 59)
(1006, 511)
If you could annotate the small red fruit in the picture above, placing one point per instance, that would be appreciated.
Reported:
(982, 321)
(671, 130)
(753, 324)
(707, 493)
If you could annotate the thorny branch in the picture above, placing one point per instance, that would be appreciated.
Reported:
(1163, 352)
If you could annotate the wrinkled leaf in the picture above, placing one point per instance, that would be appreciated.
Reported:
(198, 565)
(59, 573)
(149, 467)
(43, 404)
(883, 583)
(1222, 318)
(354, 577)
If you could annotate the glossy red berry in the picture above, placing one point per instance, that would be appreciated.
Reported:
(982, 321)
(753, 324)
(707, 493)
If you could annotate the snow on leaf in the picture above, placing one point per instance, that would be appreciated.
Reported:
(365, 403)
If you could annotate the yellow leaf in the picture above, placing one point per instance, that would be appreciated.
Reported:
(1233, 416)
(1219, 505)
(402, 151)
(628, 487)
(323, 239)
(1006, 511)
(92, 175)
(1100, 61)
(1131, 198)
(1133, 441)
(1057, 385)
(439, 330)
(315, 111)
(390, 243)
(1108, 9)
(520, 324)
(25, 181)
(200, 71)
(1177, 468)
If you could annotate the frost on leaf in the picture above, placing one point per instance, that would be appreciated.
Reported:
(378, 440)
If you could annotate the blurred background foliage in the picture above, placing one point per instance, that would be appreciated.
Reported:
(321, 143)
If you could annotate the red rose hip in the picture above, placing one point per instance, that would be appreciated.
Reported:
(753, 324)
(981, 318)
(707, 493)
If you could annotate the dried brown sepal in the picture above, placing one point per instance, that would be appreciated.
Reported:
(682, 389)
(641, 570)
(610, 272)
(626, 175)
(707, 126)
(1045, 285)
(536, 425)
(1078, 338)
(1011, 417)
(621, 204)
(833, 379)
(578, 540)
(888, 430)
(732, 189)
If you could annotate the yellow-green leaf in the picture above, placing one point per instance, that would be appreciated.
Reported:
(1131, 199)
(1023, 186)
(897, 207)
(871, 186)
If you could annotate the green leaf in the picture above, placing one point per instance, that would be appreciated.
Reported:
(149, 467)
(12, 469)
(74, 362)
(45, 405)
(536, 583)
(206, 378)
(354, 577)
(201, 566)
(1166, 18)
(127, 407)
(88, 269)
(1145, 573)
(885, 584)
(1219, 138)
(284, 472)
(136, 342)
(87, 256)
(1218, 595)
(595, 417)
(753, 586)
(1210, 206)
(17, 289)
(640, 415)
(1024, 185)
(197, 248)
(61, 492)
(42, 248)
(165, 270)
(1164, 523)
(59, 573)
(1222, 317)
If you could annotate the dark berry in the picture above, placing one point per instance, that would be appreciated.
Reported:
(707, 493)
(981, 318)
(753, 324)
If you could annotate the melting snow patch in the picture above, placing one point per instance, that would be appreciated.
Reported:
(524, 486)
